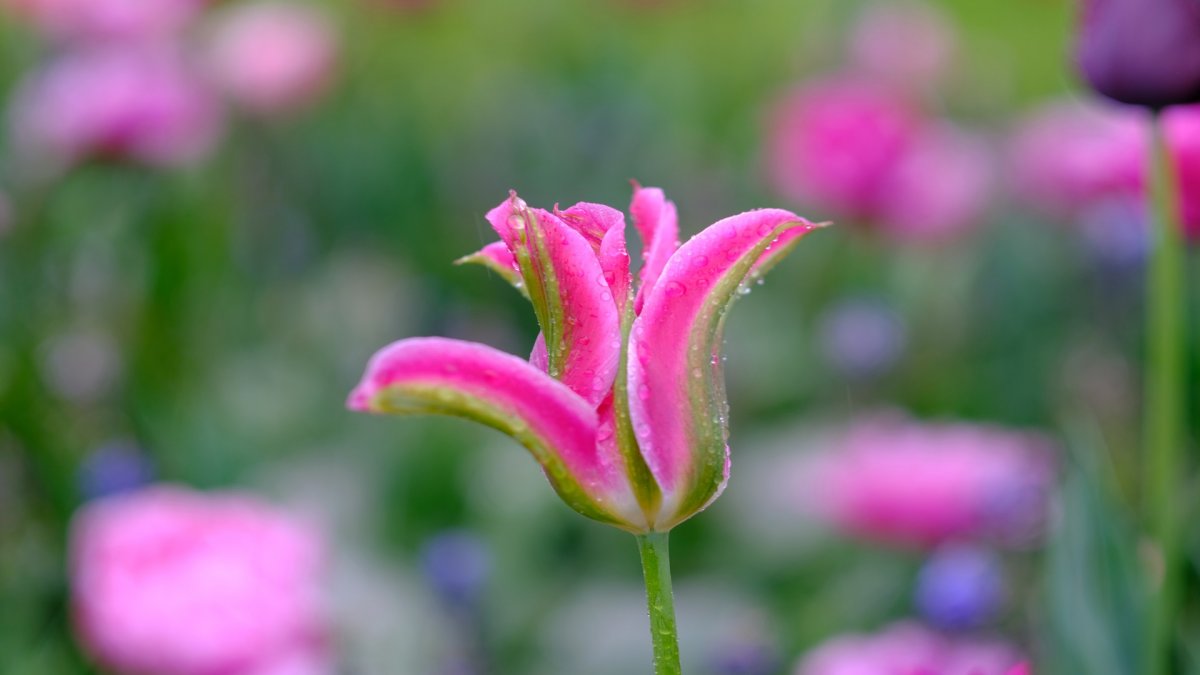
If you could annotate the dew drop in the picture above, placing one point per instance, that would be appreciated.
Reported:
(697, 373)
(604, 432)
(675, 289)
(643, 392)
(699, 262)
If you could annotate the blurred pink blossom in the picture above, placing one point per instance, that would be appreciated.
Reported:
(905, 42)
(115, 20)
(860, 150)
(271, 56)
(1068, 158)
(908, 482)
(909, 649)
(175, 582)
(143, 105)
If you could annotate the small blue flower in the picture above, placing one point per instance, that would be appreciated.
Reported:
(457, 565)
(861, 338)
(960, 588)
(745, 658)
(113, 468)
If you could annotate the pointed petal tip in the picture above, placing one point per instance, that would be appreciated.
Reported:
(359, 400)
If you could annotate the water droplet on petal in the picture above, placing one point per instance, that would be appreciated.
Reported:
(675, 289)
(643, 392)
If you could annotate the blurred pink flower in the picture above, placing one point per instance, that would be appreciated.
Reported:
(907, 482)
(1070, 155)
(859, 150)
(908, 649)
(143, 105)
(175, 582)
(115, 20)
(271, 56)
(1067, 158)
(905, 42)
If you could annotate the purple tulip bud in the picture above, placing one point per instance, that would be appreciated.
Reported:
(1144, 52)
(960, 587)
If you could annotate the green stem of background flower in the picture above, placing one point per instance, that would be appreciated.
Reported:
(1164, 396)
(656, 565)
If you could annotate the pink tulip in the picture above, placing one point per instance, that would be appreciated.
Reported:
(1069, 158)
(119, 21)
(909, 649)
(907, 43)
(924, 484)
(622, 401)
(858, 149)
(271, 56)
(143, 105)
(175, 582)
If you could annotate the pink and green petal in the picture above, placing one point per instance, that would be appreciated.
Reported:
(496, 257)
(474, 381)
(604, 228)
(677, 400)
(567, 287)
(658, 223)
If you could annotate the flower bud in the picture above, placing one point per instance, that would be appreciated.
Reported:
(1143, 52)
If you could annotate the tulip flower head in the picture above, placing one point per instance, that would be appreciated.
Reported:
(1072, 160)
(859, 149)
(908, 483)
(272, 57)
(175, 582)
(622, 401)
(905, 648)
(142, 105)
(115, 21)
(1142, 52)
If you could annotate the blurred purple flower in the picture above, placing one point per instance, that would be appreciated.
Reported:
(272, 57)
(745, 658)
(119, 21)
(908, 649)
(1143, 52)
(861, 337)
(905, 42)
(1067, 158)
(143, 105)
(960, 587)
(174, 582)
(457, 565)
(906, 482)
(114, 468)
(859, 150)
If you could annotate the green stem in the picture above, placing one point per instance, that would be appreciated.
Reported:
(1164, 397)
(656, 565)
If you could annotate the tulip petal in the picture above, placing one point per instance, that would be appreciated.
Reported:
(570, 295)
(604, 228)
(496, 257)
(677, 403)
(657, 221)
(474, 381)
